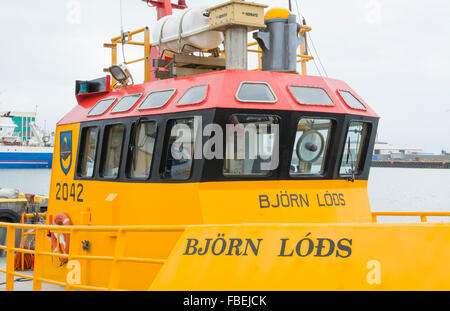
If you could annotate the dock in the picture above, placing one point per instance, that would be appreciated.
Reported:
(412, 164)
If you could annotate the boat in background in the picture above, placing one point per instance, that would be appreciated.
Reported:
(22, 143)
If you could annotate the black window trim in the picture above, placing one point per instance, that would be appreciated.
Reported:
(134, 127)
(254, 101)
(163, 160)
(103, 150)
(211, 171)
(109, 107)
(332, 140)
(310, 104)
(81, 147)
(364, 149)
(173, 90)
(129, 95)
(246, 176)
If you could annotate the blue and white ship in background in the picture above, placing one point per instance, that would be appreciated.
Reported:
(22, 143)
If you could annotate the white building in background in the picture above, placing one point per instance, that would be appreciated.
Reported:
(385, 148)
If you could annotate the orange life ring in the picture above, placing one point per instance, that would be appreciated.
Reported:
(62, 219)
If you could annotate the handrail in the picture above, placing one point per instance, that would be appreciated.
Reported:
(129, 40)
(148, 53)
(41, 233)
(117, 256)
(66, 229)
(423, 215)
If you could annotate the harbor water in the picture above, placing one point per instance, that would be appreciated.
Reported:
(390, 189)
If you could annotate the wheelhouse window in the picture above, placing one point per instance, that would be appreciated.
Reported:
(351, 161)
(157, 99)
(114, 136)
(194, 95)
(89, 139)
(352, 101)
(251, 145)
(255, 92)
(142, 150)
(180, 149)
(311, 96)
(310, 147)
(101, 107)
(126, 103)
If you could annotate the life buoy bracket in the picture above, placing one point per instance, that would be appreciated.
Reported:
(61, 242)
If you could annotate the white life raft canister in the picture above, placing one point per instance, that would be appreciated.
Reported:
(186, 32)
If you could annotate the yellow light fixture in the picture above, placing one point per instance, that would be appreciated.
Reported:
(277, 13)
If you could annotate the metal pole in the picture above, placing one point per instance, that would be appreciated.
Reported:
(147, 51)
(10, 244)
(236, 48)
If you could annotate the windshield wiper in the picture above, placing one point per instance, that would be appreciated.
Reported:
(349, 155)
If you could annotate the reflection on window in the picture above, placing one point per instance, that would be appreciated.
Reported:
(144, 144)
(310, 148)
(125, 103)
(354, 142)
(311, 96)
(255, 92)
(194, 95)
(88, 152)
(156, 99)
(114, 136)
(180, 149)
(251, 145)
(101, 107)
(351, 100)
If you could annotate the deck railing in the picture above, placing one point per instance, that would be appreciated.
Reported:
(39, 253)
(128, 38)
(41, 233)
(423, 215)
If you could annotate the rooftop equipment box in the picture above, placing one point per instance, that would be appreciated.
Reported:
(237, 12)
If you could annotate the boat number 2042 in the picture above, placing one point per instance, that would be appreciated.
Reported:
(68, 192)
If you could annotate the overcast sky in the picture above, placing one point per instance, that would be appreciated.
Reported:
(394, 53)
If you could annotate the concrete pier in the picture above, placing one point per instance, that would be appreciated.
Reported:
(412, 164)
(24, 285)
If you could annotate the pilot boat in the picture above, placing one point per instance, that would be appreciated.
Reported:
(210, 176)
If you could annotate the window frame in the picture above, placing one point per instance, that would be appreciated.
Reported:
(165, 151)
(174, 91)
(362, 153)
(118, 102)
(352, 94)
(333, 104)
(132, 140)
(247, 176)
(101, 100)
(81, 151)
(197, 102)
(253, 101)
(101, 171)
(327, 153)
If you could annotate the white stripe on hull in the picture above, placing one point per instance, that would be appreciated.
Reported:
(25, 149)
